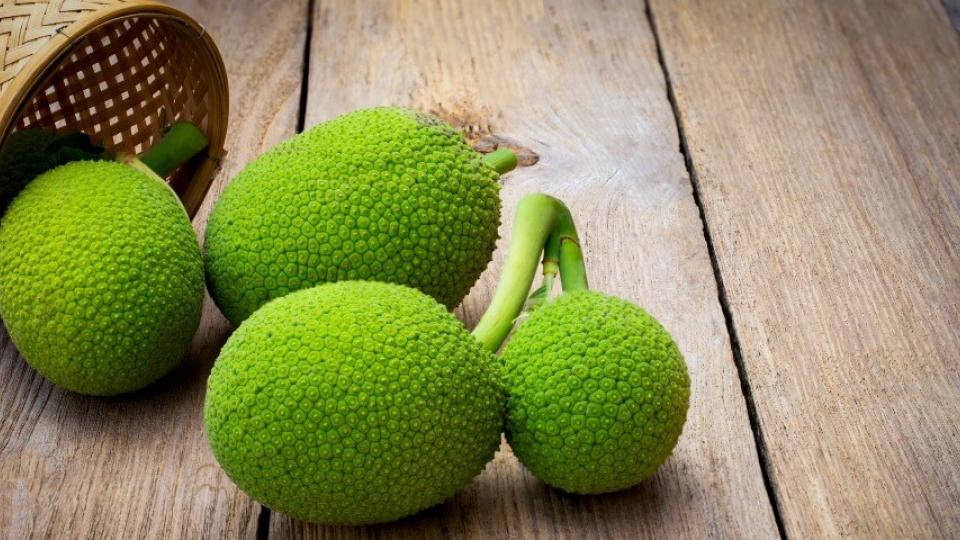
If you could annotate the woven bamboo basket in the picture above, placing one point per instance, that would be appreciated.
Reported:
(118, 70)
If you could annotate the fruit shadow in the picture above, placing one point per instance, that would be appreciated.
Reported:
(168, 405)
(506, 501)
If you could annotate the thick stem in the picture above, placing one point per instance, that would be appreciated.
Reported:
(536, 217)
(551, 263)
(181, 142)
(565, 242)
(551, 270)
(501, 160)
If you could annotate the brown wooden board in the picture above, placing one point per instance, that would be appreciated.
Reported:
(825, 142)
(579, 85)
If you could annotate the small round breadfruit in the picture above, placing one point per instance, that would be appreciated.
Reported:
(101, 277)
(385, 194)
(598, 393)
(352, 403)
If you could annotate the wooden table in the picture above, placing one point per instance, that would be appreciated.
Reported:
(777, 181)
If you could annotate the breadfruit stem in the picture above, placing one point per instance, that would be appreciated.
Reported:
(551, 264)
(539, 219)
(501, 160)
(181, 142)
(564, 246)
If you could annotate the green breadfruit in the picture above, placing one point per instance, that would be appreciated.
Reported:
(353, 402)
(598, 393)
(386, 194)
(27, 154)
(101, 277)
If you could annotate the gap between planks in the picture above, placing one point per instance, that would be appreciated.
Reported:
(263, 518)
(953, 11)
(758, 439)
(821, 136)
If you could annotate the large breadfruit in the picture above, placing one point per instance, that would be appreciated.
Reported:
(101, 277)
(386, 194)
(353, 402)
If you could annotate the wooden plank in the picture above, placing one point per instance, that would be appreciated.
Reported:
(580, 86)
(138, 466)
(825, 140)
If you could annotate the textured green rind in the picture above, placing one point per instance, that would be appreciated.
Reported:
(386, 194)
(101, 277)
(353, 402)
(598, 393)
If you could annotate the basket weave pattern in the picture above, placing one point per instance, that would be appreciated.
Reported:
(27, 25)
(122, 95)
(118, 70)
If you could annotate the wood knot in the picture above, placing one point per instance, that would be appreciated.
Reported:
(479, 131)
(525, 156)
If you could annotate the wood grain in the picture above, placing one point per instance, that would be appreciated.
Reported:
(580, 86)
(825, 140)
(139, 466)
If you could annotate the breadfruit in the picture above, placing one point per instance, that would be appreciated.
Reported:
(101, 277)
(385, 194)
(598, 393)
(353, 402)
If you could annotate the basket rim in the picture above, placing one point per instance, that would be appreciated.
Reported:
(26, 83)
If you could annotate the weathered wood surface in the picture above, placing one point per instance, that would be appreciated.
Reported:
(825, 141)
(139, 466)
(579, 84)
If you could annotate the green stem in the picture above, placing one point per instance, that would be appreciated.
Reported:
(181, 142)
(551, 263)
(561, 257)
(564, 244)
(537, 215)
(501, 160)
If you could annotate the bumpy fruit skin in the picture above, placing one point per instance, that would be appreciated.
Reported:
(385, 194)
(598, 393)
(352, 403)
(101, 277)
